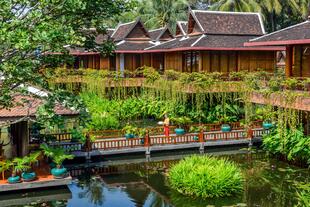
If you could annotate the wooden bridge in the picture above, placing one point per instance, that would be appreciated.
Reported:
(153, 143)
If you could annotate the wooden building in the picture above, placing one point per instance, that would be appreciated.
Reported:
(15, 123)
(297, 41)
(208, 41)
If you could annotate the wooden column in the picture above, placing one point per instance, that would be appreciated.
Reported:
(147, 141)
(289, 61)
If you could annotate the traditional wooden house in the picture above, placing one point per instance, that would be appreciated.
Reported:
(214, 42)
(15, 122)
(297, 41)
(208, 41)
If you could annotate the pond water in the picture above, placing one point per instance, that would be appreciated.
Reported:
(138, 183)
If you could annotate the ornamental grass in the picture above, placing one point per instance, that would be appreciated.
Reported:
(206, 177)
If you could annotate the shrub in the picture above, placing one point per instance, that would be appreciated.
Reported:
(206, 177)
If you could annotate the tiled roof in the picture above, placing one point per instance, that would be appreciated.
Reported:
(296, 32)
(122, 30)
(223, 41)
(181, 28)
(155, 34)
(100, 39)
(176, 43)
(133, 45)
(234, 23)
(28, 105)
(160, 34)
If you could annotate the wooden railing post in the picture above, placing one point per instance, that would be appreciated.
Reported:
(200, 136)
(250, 133)
(147, 141)
(88, 144)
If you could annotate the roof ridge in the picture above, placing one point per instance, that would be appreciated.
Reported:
(160, 44)
(281, 30)
(153, 30)
(198, 40)
(225, 12)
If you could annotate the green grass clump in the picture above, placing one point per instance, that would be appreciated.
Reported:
(206, 177)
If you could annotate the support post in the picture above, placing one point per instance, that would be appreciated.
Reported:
(289, 61)
(88, 147)
(201, 141)
(147, 143)
(250, 136)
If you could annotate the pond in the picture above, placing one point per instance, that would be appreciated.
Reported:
(139, 183)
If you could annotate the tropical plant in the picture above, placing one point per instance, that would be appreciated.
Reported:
(293, 144)
(57, 155)
(206, 177)
(237, 5)
(181, 121)
(4, 166)
(31, 158)
(159, 13)
(130, 129)
(303, 194)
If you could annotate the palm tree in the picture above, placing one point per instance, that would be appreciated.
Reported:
(276, 10)
(158, 13)
(236, 5)
(304, 7)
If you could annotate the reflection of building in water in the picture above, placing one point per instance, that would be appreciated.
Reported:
(43, 196)
(139, 187)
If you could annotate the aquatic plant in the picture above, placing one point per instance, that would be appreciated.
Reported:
(293, 145)
(303, 194)
(206, 177)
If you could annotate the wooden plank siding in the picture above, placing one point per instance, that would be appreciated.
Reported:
(209, 61)
(173, 61)
(301, 61)
(230, 61)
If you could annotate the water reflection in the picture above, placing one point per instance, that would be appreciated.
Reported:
(269, 183)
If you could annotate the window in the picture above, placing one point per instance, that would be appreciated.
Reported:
(191, 62)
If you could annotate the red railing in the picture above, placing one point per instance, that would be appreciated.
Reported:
(153, 131)
(117, 144)
(233, 135)
(181, 139)
(158, 140)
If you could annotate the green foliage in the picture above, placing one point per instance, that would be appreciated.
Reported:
(57, 155)
(206, 177)
(129, 129)
(5, 165)
(181, 121)
(293, 144)
(303, 194)
(29, 29)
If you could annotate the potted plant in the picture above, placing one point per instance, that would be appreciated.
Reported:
(17, 165)
(225, 127)
(130, 131)
(181, 122)
(58, 156)
(28, 174)
(4, 166)
(266, 115)
(142, 134)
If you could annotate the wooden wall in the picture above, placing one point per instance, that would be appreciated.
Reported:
(92, 61)
(210, 61)
(173, 61)
(253, 60)
(301, 61)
